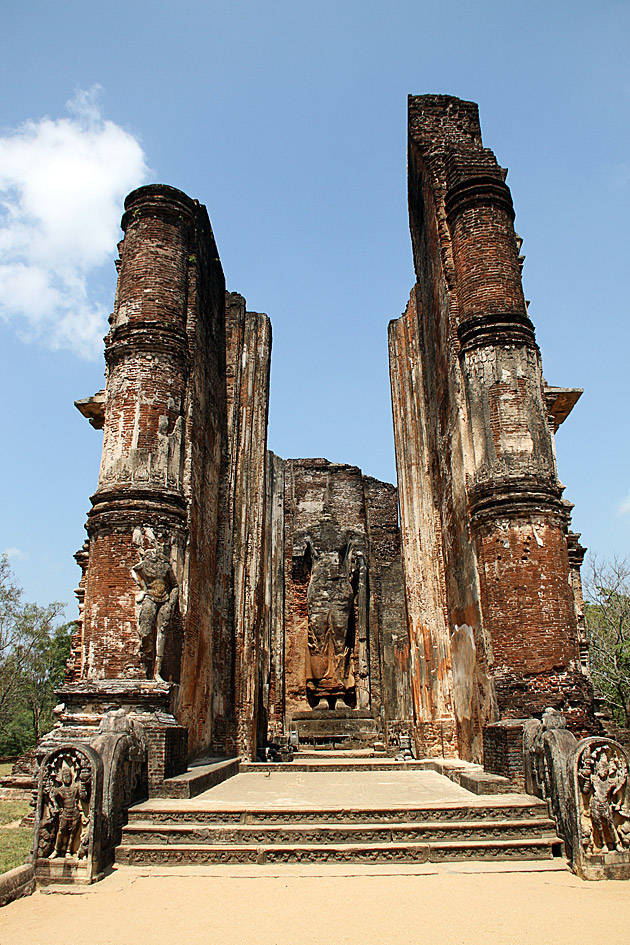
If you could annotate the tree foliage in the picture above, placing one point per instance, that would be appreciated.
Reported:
(607, 611)
(33, 652)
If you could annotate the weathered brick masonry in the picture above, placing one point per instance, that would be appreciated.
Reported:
(229, 596)
(332, 511)
(481, 504)
(185, 415)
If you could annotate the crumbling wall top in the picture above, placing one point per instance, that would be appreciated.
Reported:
(438, 121)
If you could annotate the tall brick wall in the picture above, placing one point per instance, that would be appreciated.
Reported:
(147, 423)
(249, 358)
(390, 652)
(183, 467)
(465, 615)
(479, 492)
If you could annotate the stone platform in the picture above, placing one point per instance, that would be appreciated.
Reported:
(326, 816)
(338, 727)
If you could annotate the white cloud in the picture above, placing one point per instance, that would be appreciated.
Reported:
(62, 183)
(624, 508)
(15, 553)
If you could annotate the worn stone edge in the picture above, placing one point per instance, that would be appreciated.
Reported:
(17, 883)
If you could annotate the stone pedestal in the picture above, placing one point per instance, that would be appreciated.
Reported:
(150, 705)
(347, 728)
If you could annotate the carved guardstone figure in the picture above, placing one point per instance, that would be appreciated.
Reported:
(67, 800)
(602, 778)
(157, 598)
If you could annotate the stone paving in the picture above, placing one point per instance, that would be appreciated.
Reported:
(330, 789)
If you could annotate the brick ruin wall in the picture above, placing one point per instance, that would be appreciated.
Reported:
(184, 455)
(474, 450)
(469, 614)
(330, 504)
(249, 359)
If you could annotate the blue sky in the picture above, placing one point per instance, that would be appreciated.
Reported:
(288, 120)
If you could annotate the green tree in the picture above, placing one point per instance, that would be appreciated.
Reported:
(607, 611)
(33, 650)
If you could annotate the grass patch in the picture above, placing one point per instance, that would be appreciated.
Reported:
(15, 843)
(6, 768)
(13, 810)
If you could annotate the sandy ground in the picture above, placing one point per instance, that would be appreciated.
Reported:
(338, 905)
(328, 904)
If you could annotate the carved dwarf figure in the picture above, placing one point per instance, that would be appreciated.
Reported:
(157, 598)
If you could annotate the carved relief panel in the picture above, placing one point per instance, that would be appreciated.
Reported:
(336, 661)
(601, 770)
(67, 821)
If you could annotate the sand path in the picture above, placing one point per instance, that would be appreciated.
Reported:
(336, 905)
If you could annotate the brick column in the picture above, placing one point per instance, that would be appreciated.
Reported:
(519, 521)
(140, 500)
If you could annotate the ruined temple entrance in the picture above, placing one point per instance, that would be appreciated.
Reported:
(340, 617)
(231, 600)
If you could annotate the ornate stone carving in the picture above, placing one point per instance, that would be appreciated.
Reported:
(156, 599)
(161, 466)
(337, 577)
(604, 812)
(167, 467)
(585, 784)
(64, 822)
(68, 815)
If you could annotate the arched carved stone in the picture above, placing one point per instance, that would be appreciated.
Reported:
(602, 802)
(68, 816)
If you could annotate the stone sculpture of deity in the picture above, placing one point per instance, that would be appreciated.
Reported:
(603, 778)
(63, 830)
(156, 599)
(331, 626)
(67, 798)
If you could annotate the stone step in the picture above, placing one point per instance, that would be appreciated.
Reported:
(510, 809)
(144, 833)
(337, 754)
(199, 778)
(333, 762)
(340, 728)
(438, 851)
(352, 727)
(338, 714)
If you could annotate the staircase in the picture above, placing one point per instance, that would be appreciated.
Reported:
(450, 825)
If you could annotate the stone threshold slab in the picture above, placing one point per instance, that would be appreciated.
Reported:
(283, 870)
